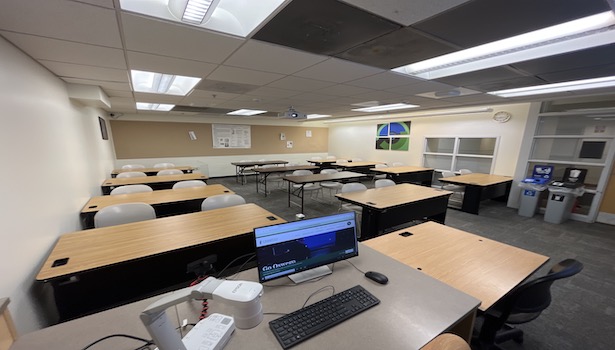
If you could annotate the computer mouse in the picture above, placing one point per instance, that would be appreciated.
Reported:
(377, 277)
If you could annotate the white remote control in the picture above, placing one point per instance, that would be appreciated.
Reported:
(211, 333)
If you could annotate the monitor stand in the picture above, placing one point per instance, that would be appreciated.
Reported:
(310, 274)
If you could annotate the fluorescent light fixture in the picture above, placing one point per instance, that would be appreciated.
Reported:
(584, 84)
(583, 33)
(154, 106)
(245, 112)
(159, 83)
(383, 108)
(194, 11)
(316, 116)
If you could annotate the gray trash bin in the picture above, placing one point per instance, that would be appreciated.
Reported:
(561, 200)
(530, 194)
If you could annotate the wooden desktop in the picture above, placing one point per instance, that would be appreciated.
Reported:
(407, 174)
(479, 187)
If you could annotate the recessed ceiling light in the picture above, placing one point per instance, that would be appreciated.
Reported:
(383, 108)
(583, 33)
(246, 112)
(159, 83)
(584, 84)
(154, 106)
(193, 11)
(316, 116)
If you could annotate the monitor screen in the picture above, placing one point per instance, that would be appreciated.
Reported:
(297, 246)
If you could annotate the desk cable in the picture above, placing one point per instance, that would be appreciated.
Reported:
(144, 346)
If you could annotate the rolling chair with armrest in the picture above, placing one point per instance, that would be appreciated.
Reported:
(119, 214)
(523, 304)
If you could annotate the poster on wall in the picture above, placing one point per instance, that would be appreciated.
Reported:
(231, 136)
(394, 136)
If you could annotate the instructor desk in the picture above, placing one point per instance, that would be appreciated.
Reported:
(414, 308)
(159, 182)
(479, 187)
(387, 207)
(481, 267)
(165, 202)
(96, 269)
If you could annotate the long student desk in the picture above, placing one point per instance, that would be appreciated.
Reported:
(411, 174)
(154, 171)
(387, 207)
(263, 173)
(303, 180)
(479, 187)
(481, 267)
(95, 269)
(360, 167)
(414, 308)
(165, 202)
(155, 182)
(241, 167)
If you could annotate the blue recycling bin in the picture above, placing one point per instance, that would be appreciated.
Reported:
(532, 188)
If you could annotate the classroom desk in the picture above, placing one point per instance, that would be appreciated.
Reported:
(414, 308)
(323, 163)
(479, 187)
(165, 202)
(99, 268)
(302, 180)
(478, 266)
(263, 173)
(407, 174)
(154, 171)
(161, 182)
(387, 207)
(360, 167)
(240, 167)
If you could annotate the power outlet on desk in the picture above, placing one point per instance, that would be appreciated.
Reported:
(203, 266)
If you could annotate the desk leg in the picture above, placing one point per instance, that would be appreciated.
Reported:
(471, 199)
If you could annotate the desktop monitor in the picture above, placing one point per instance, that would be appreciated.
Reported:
(302, 249)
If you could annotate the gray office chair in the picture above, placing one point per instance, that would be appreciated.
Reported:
(130, 189)
(169, 172)
(380, 176)
(131, 174)
(222, 201)
(465, 171)
(133, 166)
(384, 183)
(398, 164)
(164, 165)
(123, 214)
(331, 185)
(273, 177)
(308, 187)
(353, 187)
(244, 172)
(189, 183)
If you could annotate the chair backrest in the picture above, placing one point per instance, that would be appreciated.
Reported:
(448, 174)
(131, 174)
(130, 189)
(528, 300)
(357, 159)
(329, 171)
(123, 213)
(222, 201)
(384, 183)
(465, 171)
(353, 187)
(397, 164)
(381, 166)
(133, 166)
(189, 183)
(170, 172)
(302, 172)
(164, 165)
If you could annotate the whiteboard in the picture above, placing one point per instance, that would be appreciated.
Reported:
(231, 136)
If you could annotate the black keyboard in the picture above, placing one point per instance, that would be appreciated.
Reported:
(304, 323)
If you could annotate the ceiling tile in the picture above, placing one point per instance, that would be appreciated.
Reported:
(106, 85)
(157, 98)
(267, 91)
(337, 71)
(312, 97)
(323, 26)
(213, 94)
(403, 11)
(168, 65)
(456, 92)
(606, 70)
(60, 19)
(596, 56)
(66, 51)
(382, 95)
(481, 76)
(344, 90)
(510, 83)
(481, 21)
(118, 93)
(384, 80)
(70, 70)
(271, 58)
(300, 84)
(176, 40)
(420, 87)
(396, 49)
(103, 3)
(243, 76)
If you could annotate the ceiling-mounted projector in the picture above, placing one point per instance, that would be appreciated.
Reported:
(293, 114)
